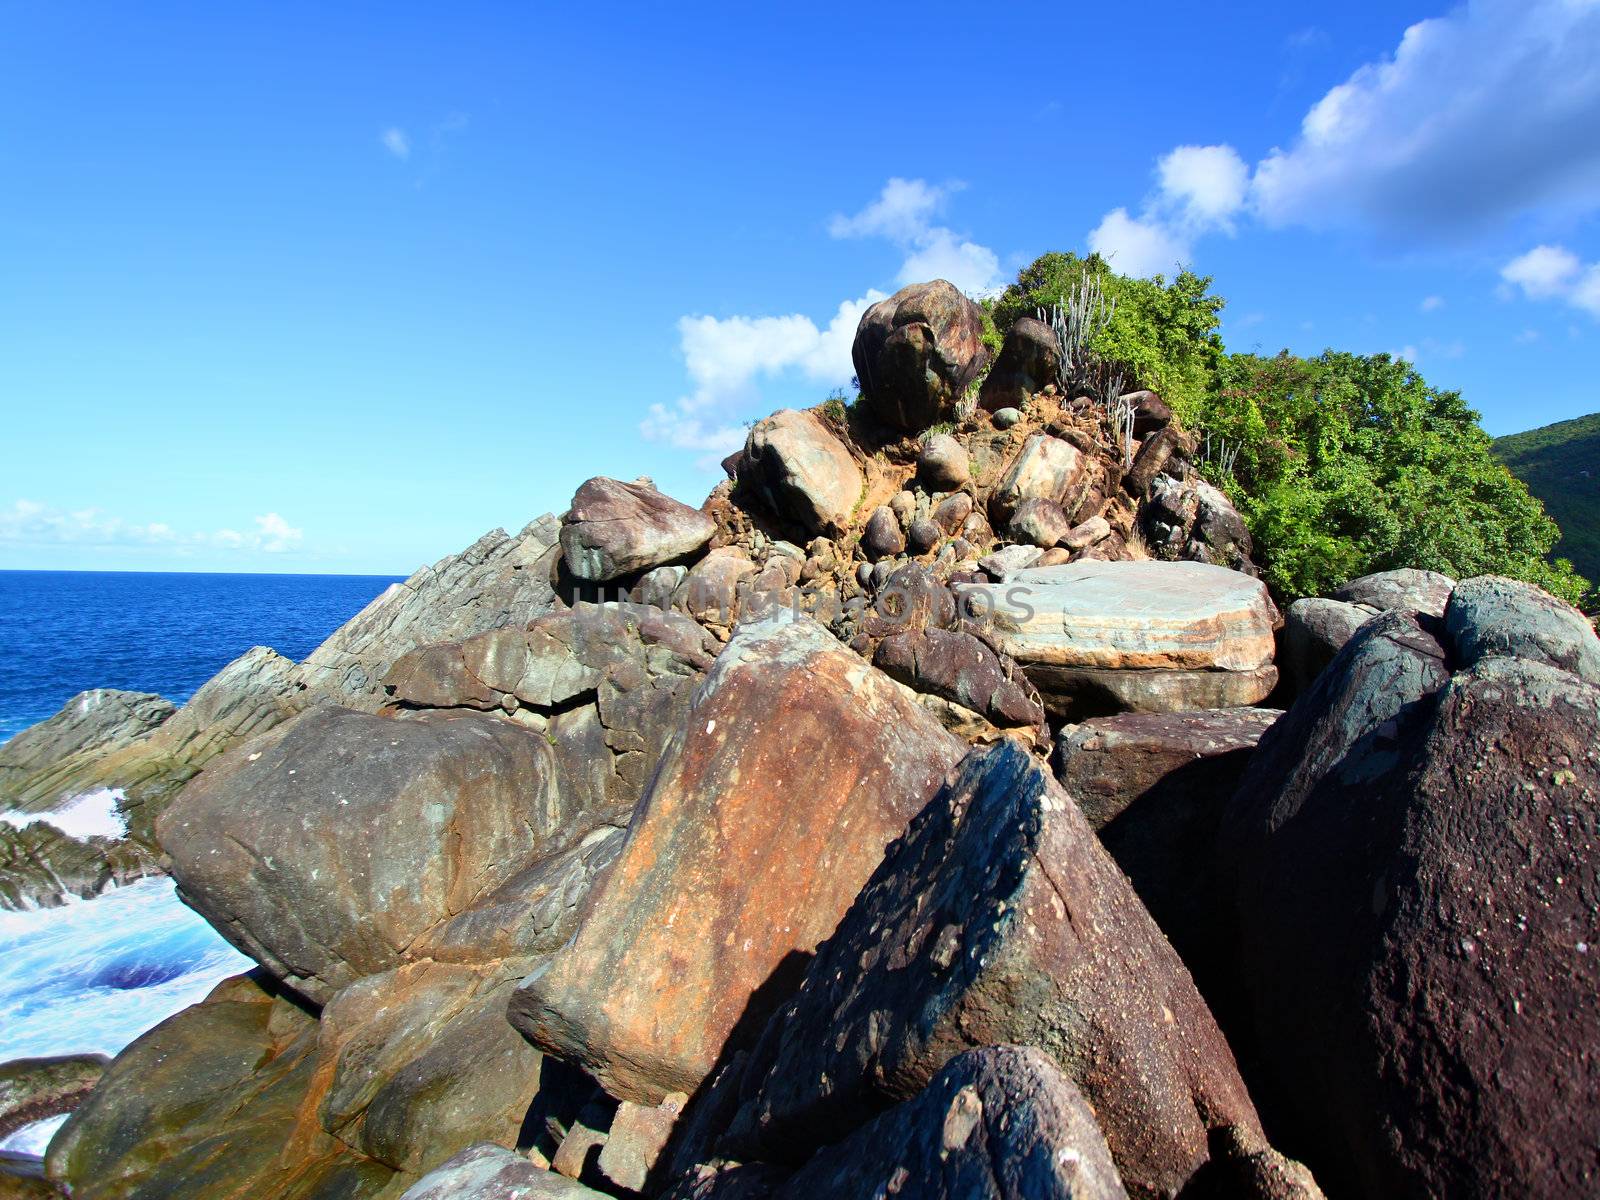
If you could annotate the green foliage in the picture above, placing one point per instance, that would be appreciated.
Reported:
(1561, 465)
(1349, 464)
(1163, 336)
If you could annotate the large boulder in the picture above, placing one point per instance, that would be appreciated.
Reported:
(328, 848)
(1315, 628)
(1099, 637)
(1046, 468)
(1416, 854)
(1029, 361)
(1189, 519)
(998, 918)
(1406, 588)
(916, 353)
(805, 473)
(957, 666)
(1001, 1123)
(731, 873)
(615, 529)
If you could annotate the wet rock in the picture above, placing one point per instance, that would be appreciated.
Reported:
(996, 919)
(916, 352)
(731, 874)
(32, 1089)
(616, 529)
(41, 867)
(943, 465)
(805, 473)
(1028, 362)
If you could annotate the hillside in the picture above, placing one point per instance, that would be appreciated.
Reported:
(1560, 463)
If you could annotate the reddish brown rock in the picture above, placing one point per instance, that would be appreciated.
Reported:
(916, 352)
(958, 667)
(1028, 362)
(803, 472)
(998, 918)
(615, 529)
(1152, 458)
(1039, 523)
(799, 763)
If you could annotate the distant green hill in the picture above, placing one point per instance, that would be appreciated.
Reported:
(1561, 465)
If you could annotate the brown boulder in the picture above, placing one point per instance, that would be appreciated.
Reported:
(958, 667)
(731, 873)
(804, 473)
(916, 352)
(615, 529)
(883, 537)
(1047, 468)
(1029, 361)
(1039, 523)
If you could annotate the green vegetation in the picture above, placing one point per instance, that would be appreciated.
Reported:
(1341, 465)
(1561, 465)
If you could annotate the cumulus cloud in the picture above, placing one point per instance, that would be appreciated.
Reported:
(396, 142)
(1199, 190)
(1478, 116)
(904, 213)
(1138, 246)
(1555, 273)
(32, 524)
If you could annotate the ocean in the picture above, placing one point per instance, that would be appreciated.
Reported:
(95, 974)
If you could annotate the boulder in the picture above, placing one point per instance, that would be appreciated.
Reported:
(1151, 460)
(951, 513)
(490, 1172)
(616, 529)
(91, 721)
(327, 849)
(883, 537)
(1191, 520)
(1492, 616)
(32, 1089)
(731, 875)
(710, 593)
(943, 464)
(1029, 361)
(1407, 588)
(1314, 630)
(1039, 523)
(1000, 1123)
(916, 352)
(1152, 636)
(1047, 468)
(922, 536)
(958, 667)
(997, 918)
(1150, 412)
(805, 473)
(41, 867)
(1004, 564)
(1096, 529)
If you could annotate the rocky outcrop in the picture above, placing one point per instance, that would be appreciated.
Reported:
(615, 529)
(997, 919)
(1096, 637)
(32, 1089)
(1029, 361)
(1414, 846)
(797, 765)
(802, 471)
(41, 867)
(93, 721)
(917, 352)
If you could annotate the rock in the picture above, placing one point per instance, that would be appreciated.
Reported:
(1416, 855)
(1039, 523)
(958, 667)
(1243, 1167)
(1028, 362)
(1000, 1122)
(730, 875)
(1191, 520)
(1314, 630)
(657, 587)
(1490, 616)
(1409, 589)
(996, 919)
(1005, 418)
(1054, 557)
(943, 465)
(1154, 787)
(616, 529)
(32, 1089)
(1151, 460)
(91, 721)
(326, 850)
(904, 506)
(636, 1142)
(1008, 562)
(923, 536)
(916, 352)
(803, 471)
(490, 1172)
(1047, 468)
(710, 592)
(41, 867)
(1165, 626)
(1150, 412)
(882, 537)
(1095, 529)
(951, 513)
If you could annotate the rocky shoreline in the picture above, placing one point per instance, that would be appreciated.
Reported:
(944, 808)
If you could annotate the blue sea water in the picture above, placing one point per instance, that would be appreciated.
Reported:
(94, 975)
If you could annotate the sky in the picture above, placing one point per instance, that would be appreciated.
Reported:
(337, 288)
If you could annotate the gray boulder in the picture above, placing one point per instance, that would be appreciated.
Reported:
(1492, 616)
(32, 1089)
(1406, 588)
(1314, 630)
(490, 1172)
(93, 721)
(615, 529)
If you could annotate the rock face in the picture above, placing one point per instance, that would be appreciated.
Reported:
(1028, 362)
(1416, 855)
(1150, 636)
(290, 848)
(32, 1089)
(490, 1172)
(960, 668)
(916, 352)
(615, 529)
(798, 764)
(997, 919)
(802, 471)
(1192, 521)
(1002, 1123)
(90, 721)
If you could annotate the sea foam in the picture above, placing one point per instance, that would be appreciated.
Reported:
(93, 814)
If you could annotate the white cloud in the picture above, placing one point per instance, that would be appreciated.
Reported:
(1431, 304)
(903, 213)
(1206, 184)
(1199, 190)
(1477, 117)
(30, 523)
(1137, 246)
(1555, 273)
(396, 142)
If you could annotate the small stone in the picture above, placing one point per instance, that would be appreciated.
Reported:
(1005, 418)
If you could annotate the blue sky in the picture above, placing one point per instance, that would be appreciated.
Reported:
(313, 287)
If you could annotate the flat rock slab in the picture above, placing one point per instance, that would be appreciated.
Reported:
(1137, 616)
(1001, 1123)
(799, 764)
